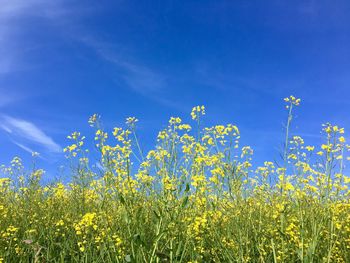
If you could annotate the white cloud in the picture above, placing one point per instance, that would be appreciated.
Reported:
(27, 149)
(8, 96)
(13, 15)
(142, 79)
(5, 128)
(12, 9)
(136, 76)
(30, 132)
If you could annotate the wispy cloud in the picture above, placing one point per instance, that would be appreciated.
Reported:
(136, 76)
(140, 78)
(49, 9)
(26, 148)
(13, 15)
(5, 100)
(9, 95)
(29, 131)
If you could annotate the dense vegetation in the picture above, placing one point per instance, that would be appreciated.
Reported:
(195, 198)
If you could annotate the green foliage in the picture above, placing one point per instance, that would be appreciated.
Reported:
(194, 198)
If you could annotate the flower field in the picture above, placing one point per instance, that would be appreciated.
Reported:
(196, 197)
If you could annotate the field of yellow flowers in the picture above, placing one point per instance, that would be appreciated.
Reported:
(194, 198)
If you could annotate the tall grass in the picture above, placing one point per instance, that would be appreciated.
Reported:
(194, 198)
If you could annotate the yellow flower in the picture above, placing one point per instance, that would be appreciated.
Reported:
(197, 112)
(289, 187)
(346, 179)
(93, 120)
(174, 120)
(81, 246)
(131, 121)
(309, 148)
(292, 100)
(197, 179)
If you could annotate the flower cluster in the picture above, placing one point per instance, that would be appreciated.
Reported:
(197, 196)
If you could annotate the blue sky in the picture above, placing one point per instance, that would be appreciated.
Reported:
(61, 61)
